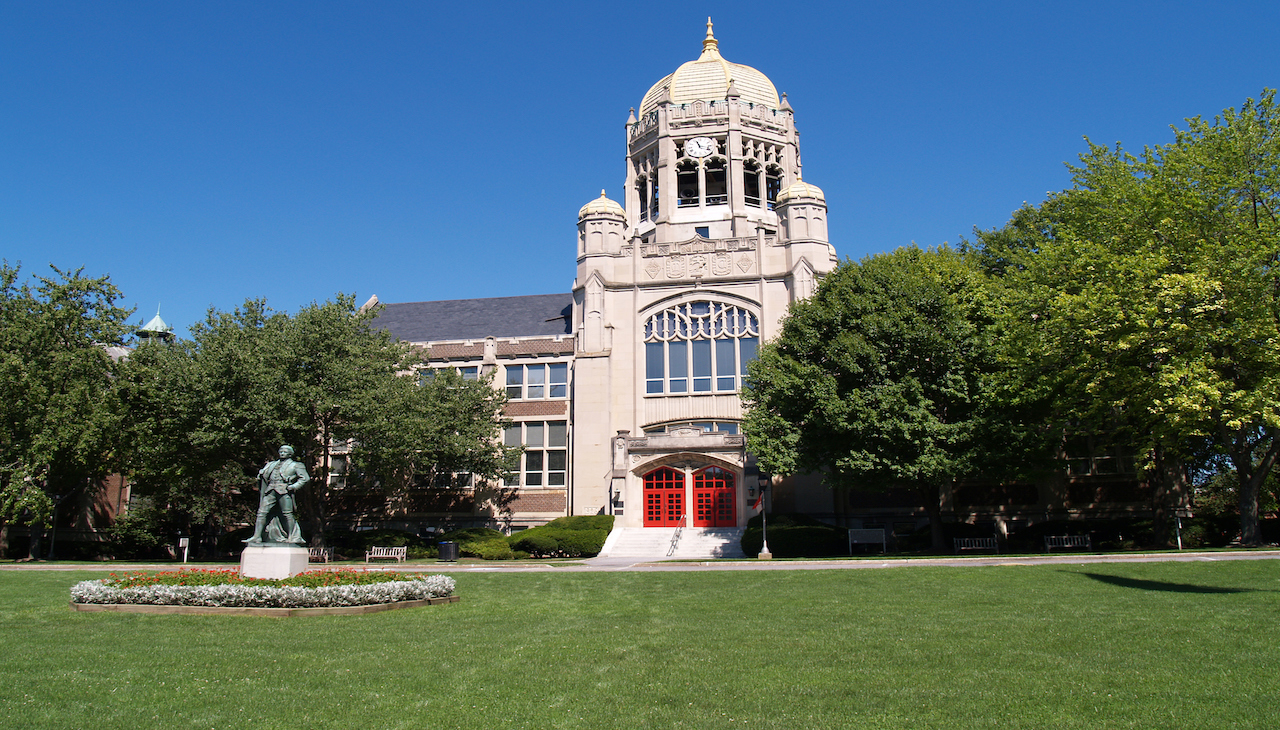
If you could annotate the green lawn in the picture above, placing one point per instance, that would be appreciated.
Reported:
(1161, 645)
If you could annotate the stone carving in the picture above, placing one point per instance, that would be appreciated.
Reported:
(277, 483)
(653, 269)
(745, 263)
(697, 265)
(721, 265)
(675, 267)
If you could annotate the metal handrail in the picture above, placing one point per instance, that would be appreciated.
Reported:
(675, 538)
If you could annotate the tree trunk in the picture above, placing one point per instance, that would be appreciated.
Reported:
(1168, 494)
(1251, 475)
(931, 497)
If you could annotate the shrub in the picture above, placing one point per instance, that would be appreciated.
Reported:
(566, 537)
(796, 536)
(535, 542)
(494, 549)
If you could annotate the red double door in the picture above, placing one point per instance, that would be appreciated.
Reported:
(714, 498)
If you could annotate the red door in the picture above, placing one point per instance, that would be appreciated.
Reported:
(715, 502)
(663, 497)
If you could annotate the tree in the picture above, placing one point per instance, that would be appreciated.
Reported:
(207, 412)
(879, 380)
(1148, 296)
(58, 423)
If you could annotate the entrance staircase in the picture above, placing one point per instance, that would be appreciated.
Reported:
(655, 543)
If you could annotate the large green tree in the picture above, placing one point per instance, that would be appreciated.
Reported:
(1147, 298)
(58, 422)
(207, 412)
(880, 379)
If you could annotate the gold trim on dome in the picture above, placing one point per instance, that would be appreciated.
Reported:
(708, 79)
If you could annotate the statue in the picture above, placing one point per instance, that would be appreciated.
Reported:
(277, 481)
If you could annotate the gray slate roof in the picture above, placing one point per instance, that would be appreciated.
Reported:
(475, 319)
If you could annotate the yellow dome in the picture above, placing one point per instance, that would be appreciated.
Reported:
(708, 79)
(800, 189)
(601, 205)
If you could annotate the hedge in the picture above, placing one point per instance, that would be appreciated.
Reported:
(796, 536)
(580, 536)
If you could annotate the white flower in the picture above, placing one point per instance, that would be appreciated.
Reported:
(97, 591)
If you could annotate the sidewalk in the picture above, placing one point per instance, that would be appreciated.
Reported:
(658, 565)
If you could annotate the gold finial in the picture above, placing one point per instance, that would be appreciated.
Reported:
(602, 192)
(709, 43)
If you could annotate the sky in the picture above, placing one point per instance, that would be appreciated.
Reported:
(202, 154)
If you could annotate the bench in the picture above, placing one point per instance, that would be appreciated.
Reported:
(976, 543)
(388, 553)
(1067, 541)
(320, 555)
(867, 537)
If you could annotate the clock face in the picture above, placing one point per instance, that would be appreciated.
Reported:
(699, 147)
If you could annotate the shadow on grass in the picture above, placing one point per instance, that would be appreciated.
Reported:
(1159, 585)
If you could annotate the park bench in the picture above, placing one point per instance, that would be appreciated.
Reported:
(867, 537)
(976, 543)
(320, 555)
(386, 553)
(1067, 541)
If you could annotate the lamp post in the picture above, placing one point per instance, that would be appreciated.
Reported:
(764, 521)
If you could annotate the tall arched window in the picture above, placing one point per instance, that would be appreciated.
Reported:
(751, 183)
(642, 192)
(772, 184)
(699, 347)
(687, 184)
(717, 176)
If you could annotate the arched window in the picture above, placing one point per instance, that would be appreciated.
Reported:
(717, 176)
(642, 192)
(751, 183)
(699, 347)
(772, 184)
(687, 184)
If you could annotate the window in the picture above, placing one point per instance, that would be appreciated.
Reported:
(544, 380)
(751, 183)
(704, 231)
(717, 182)
(730, 427)
(546, 457)
(699, 347)
(642, 192)
(687, 184)
(471, 372)
(772, 184)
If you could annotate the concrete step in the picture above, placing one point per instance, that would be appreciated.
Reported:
(654, 542)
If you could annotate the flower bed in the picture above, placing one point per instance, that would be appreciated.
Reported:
(227, 589)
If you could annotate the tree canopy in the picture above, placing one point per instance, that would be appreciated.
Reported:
(879, 379)
(206, 412)
(58, 419)
(1146, 297)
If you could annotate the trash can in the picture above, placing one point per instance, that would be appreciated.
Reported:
(449, 551)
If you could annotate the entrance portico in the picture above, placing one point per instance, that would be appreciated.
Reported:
(685, 475)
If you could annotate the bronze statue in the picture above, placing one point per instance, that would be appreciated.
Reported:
(277, 482)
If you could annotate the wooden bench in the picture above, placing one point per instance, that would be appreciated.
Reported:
(871, 536)
(1067, 541)
(320, 555)
(388, 553)
(976, 543)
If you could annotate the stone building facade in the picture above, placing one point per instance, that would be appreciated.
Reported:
(625, 391)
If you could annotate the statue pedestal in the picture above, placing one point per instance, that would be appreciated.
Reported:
(261, 561)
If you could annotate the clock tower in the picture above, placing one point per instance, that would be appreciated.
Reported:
(677, 287)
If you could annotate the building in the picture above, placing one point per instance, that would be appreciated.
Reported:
(625, 391)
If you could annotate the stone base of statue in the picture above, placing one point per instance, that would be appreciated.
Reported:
(274, 561)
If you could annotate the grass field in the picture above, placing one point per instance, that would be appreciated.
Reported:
(1157, 645)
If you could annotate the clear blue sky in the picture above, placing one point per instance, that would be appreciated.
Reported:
(205, 153)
